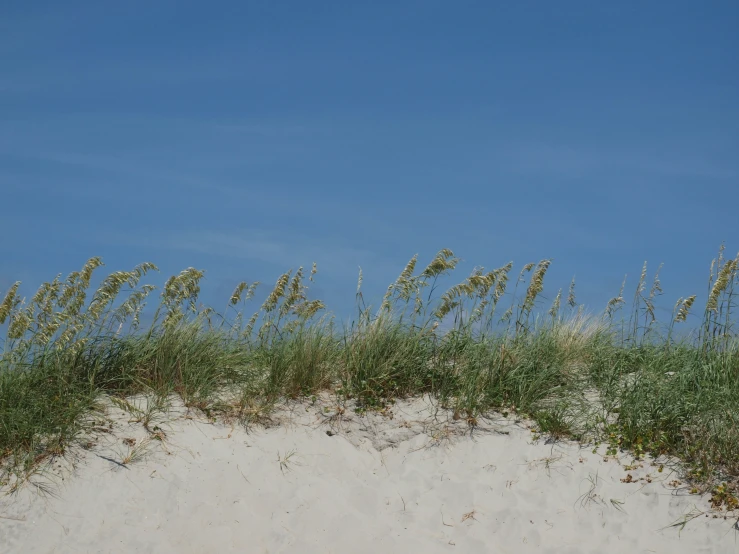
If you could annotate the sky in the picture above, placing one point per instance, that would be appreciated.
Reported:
(248, 138)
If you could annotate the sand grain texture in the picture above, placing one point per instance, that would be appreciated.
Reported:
(319, 481)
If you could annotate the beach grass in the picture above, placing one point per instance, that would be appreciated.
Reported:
(620, 378)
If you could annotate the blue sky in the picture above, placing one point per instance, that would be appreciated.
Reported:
(247, 138)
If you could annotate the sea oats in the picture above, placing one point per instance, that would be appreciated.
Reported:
(295, 293)
(408, 270)
(554, 310)
(308, 309)
(69, 290)
(277, 292)
(67, 336)
(138, 307)
(710, 274)
(252, 290)
(571, 295)
(73, 290)
(443, 262)
(19, 324)
(642, 280)
(684, 310)
(46, 304)
(537, 284)
(206, 314)
(677, 305)
(10, 302)
(359, 280)
(107, 292)
(479, 310)
(72, 295)
(613, 305)
(385, 306)
(183, 287)
(403, 283)
(142, 269)
(236, 294)
(78, 301)
(44, 335)
(722, 281)
(250, 326)
(88, 269)
(481, 283)
(73, 349)
(507, 315)
(173, 317)
(528, 267)
(296, 286)
(447, 306)
(264, 329)
(407, 288)
(450, 299)
(41, 293)
(501, 278)
(656, 285)
(133, 304)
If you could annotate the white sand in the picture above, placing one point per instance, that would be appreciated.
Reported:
(413, 483)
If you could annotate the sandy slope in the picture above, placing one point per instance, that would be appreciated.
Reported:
(415, 483)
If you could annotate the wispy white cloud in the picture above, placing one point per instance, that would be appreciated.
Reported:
(541, 159)
(262, 129)
(131, 168)
(286, 250)
(140, 176)
(129, 75)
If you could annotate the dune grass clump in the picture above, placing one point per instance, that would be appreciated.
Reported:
(487, 343)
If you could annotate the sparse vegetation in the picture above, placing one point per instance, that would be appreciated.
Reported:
(629, 383)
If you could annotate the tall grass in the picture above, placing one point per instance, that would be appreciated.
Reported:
(478, 346)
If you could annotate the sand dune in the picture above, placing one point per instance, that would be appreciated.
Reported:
(412, 480)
